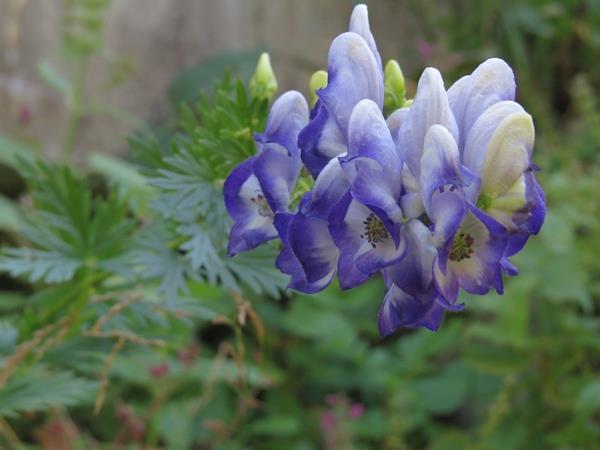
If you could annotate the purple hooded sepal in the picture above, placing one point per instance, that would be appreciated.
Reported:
(320, 141)
(261, 186)
(309, 255)
(473, 260)
(277, 172)
(249, 209)
(400, 309)
(532, 226)
(353, 75)
(287, 117)
(373, 164)
(366, 240)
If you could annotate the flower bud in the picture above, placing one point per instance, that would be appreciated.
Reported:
(394, 90)
(317, 81)
(263, 83)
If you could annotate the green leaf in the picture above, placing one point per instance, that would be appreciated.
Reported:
(37, 265)
(444, 392)
(10, 216)
(589, 398)
(40, 388)
(175, 422)
(12, 152)
(70, 229)
(130, 184)
(276, 426)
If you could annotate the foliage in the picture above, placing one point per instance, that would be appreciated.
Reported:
(124, 325)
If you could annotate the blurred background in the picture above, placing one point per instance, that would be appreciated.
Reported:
(521, 371)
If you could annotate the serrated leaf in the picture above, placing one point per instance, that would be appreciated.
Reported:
(37, 265)
(40, 388)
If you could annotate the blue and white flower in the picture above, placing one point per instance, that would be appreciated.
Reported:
(365, 224)
(436, 197)
(261, 186)
(354, 73)
(309, 254)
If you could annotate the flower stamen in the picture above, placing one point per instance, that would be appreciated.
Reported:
(264, 210)
(462, 247)
(375, 231)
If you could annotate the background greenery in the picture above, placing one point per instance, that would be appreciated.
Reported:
(124, 326)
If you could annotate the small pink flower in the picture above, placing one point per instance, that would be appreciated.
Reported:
(425, 49)
(328, 421)
(356, 410)
(159, 371)
(24, 115)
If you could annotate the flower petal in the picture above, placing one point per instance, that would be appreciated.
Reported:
(277, 172)
(482, 131)
(321, 140)
(440, 165)
(312, 244)
(359, 24)
(330, 186)
(353, 76)
(309, 273)
(288, 116)
(492, 82)
(379, 189)
(536, 204)
(370, 137)
(348, 226)
(447, 211)
(482, 269)
(508, 154)
(394, 122)
(400, 309)
(252, 216)
(413, 272)
(430, 107)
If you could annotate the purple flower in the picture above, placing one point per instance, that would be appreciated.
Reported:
(365, 224)
(412, 299)
(496, 143)
(470, 245)
(436, 197)
(309, 254)
(354, 73)
(261, 186)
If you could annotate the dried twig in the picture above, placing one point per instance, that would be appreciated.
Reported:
(25, 348)
(114, 310)
(105, 375)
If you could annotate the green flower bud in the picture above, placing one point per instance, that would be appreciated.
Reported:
(263, 83)
(317, 81)
(394, 90)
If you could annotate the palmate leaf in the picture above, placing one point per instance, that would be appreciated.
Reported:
(256, 269)
(228, 121)
(40, 388)
(188, 191)
(69, 228)
(38, 265)
(189, 240)
(156, 259)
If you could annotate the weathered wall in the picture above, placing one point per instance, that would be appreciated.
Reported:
(164, 37)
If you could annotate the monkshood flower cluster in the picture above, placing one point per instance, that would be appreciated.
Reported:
(435, 198)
